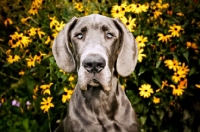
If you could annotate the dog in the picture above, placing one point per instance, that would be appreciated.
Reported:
(99, 49)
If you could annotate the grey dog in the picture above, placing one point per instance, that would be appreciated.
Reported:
(98, 48)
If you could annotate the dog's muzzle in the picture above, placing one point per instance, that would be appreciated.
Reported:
(94, 64)
(94, 71)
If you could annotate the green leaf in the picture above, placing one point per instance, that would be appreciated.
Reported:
(160, 113)
(33, 69)
(25, 123)
(52, 61)
(186, 54)
(6, 65)
(148, 32)
(192, 71)
(30, 83)
(153, 118)
(142, 70)
(157, 80)
(186, 115)
(143, 119)
(158, 63)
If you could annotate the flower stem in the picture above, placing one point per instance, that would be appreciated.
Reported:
(49, 121)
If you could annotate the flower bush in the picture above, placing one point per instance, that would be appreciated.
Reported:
(164, 89)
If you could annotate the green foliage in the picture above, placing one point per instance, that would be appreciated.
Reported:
(167, 33)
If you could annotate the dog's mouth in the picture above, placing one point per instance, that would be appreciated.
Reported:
(101, 80)
(94, 83)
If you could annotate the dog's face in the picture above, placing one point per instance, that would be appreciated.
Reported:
(93, 45)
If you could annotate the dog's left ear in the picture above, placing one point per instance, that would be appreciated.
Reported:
(128, 54)
(61, 48)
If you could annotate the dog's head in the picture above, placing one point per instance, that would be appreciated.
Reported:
(93, 46)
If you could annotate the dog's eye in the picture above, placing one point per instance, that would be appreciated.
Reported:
(79, 36)
(109, 35)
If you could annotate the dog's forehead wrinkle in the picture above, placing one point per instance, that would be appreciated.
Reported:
(95, 21)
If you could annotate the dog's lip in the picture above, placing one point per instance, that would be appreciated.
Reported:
(94, 82)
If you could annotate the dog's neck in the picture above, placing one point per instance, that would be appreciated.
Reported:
(99, 101)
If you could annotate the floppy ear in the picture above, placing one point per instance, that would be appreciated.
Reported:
(61, 49)
(128, 54)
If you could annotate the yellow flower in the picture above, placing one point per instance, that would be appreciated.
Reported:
(31, 61)
(46, 104)
(117, 11)
(36, 4)
(35, 92)
(21, 72)
(194, 46)
(48, 40)
(33, 10)
(12, 59)
(123, 87)
(8, 52)
(175, 30)
(40, 33)
(156, 100)
(183, 83)
(8, 21)
(138, 8)
(176, 91)
(79, 6)
(164, 38)
(59, 26)
(160, 5)
(55, 34)
(146, 90)
(130, 23)
(46, 88)
(24, 20)
(141, 41)
(183, 69)
(179, 14)
(32, 31)
(19, 40)
(62, 71)
(156, 13)
(145, 7)
(39, 56)
(140, 55)
(164, 83)
(181, 72)
(53, 22)
(67, 95)
(172, 64)
(71, 78)
(197, 85)
(176, 77)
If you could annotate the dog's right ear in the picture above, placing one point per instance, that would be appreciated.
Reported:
(61, 48)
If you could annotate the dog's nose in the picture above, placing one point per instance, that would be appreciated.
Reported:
(94, 63)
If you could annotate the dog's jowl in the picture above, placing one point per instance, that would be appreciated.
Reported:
(98, 48)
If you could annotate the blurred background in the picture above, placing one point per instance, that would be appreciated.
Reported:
(164, 89)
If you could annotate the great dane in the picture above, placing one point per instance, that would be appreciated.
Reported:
(98, 48)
